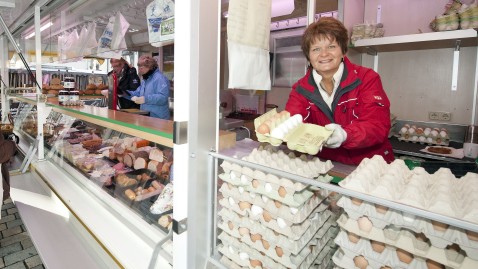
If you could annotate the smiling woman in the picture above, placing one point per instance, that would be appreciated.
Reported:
(345, 98)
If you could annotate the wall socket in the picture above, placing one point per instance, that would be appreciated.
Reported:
(441, 116)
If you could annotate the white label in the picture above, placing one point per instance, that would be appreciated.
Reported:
(74, 98)
(62, 98)
(69, 84)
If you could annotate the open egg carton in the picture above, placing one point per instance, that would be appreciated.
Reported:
(424, 135)
(257, 202)
(276, 128)
(395, 247)
(273, 157)
(440, 192)
(439, 234)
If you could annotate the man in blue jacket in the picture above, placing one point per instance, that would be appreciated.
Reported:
(153, 93)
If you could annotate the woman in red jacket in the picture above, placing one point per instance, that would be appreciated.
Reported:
(344, 97)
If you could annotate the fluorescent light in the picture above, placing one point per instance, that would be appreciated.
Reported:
(44, 27)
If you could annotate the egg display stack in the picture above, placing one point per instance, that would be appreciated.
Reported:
(424, 135)
(374, 236)
(271, 222)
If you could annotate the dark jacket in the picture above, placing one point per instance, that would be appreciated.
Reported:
(128, 82)
(360, 106)
(7, 149)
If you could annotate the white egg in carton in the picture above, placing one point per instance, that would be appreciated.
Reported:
(232, 224)
(440, 192)
(242, 253)
(266, 219)
(440, 234)
(275, 208)
(408, 243)
(273, 191)
(278, 159)
(275, 128)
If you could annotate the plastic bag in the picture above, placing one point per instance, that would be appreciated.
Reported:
(112, 42)
(160, 19)
(88, 39)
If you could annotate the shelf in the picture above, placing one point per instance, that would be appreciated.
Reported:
(290, 49)
(435, 40)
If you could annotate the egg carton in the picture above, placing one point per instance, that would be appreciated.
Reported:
(242, 253)
(306, 166)
(263, 238)
(425, 135)
(424, 140)
(324, 258)
(440, 192)
(275, 208)
(293, 232)
(440, 237)
(273, 191)
(281, 127)
(406, 240)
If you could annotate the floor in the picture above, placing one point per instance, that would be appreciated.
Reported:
(16, 247)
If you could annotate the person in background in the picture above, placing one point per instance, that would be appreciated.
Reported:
(7, 150)
(153, 93)
(128, 79)
(346, 98)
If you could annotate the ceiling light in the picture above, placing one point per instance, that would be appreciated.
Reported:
(44, 27)
(132, 30)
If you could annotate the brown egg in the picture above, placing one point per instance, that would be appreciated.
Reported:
(434, 265)
(404, 256)
(243, 231)
(282, 192)
(364, 224)
(284, 113)
(377, 246)
(277, 203)
(381, 209)
(255, 263)
(263, 129)
(267, 216)
(255, 183)
(265, 244)
(356, 201)
(229, 185)
(255, 237)
(243, 205)
(472, 235)
(438, 226)
(360, 262)
(279, 251)
(421, 237)
(353, 237)
(231, 225)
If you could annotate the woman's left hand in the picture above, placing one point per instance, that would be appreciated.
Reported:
(338, 136)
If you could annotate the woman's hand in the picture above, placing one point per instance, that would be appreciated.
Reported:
(338, 136)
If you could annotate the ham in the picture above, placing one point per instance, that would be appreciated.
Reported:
(140, 163)
(153, 165)
(156, 154)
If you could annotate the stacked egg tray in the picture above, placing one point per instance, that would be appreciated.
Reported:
(276, 128)
(271, 222)
(424, 135)
(440, 235)
(393, 247)
(440, 192)
(306, 166)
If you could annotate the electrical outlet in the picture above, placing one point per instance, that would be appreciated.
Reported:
(444, 116)
(433, 115)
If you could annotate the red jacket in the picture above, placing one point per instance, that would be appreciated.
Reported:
(360, 106)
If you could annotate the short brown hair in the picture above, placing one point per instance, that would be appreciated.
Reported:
(325, 27)
(148, 61)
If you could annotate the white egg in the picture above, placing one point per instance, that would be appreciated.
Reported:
(434, 133)
(232, 250)
(265, 199)
(443, 134)
(294, 210)
(241, 189)
(268, 187)
(281, 223)
(414, 138)
(427, 131)
(231, 201)
(403, 130)
(256, 210)
(411, 130)
(277, 133)
(297, 118)
(422, 139)
(429, 140)
(244, 179)
(243, 256)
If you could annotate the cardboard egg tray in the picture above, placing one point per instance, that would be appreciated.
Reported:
(271, 190)
(440, 192)
(406, 240)
(302, 137)
(423, 137)
(273, 239)
(278, 159)
(293, 231)
(275, 208)
(324, 258)
(439, 239)
(241, 254)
